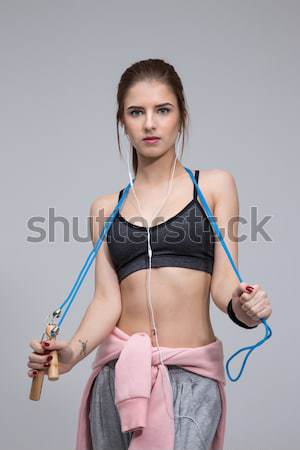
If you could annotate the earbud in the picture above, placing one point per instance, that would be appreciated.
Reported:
(128, 167)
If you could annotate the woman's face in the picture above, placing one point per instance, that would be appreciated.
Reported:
(151, 109)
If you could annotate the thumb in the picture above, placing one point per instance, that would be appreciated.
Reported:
(240, 289)
(53, 344)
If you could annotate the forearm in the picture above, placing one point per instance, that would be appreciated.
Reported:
(222, 294)
(97, 323)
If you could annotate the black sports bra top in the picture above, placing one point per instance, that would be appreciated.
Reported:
(184, 240)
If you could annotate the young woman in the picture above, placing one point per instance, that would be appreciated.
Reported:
(158, 326)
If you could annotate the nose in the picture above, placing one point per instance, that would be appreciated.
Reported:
(149, 121)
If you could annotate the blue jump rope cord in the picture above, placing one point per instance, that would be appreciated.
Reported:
(220, 237)
(91, 257)
(103, 234)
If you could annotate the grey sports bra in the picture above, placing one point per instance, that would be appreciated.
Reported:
(185, 240)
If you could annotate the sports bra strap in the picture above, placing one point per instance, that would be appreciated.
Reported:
(120, 193)
(195, 190)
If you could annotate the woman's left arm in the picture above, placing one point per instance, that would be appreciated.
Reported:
(249, 305)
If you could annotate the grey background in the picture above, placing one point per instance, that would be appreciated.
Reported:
(60, 65)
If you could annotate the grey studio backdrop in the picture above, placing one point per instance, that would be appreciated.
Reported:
(60, 65)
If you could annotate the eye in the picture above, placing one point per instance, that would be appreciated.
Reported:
(165, 109)
(134, 111)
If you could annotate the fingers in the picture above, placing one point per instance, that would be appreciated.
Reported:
(265, 312)
(54, 344)
(37, 346)
(30, 373)
(248, 300)
(245, 297)
(256, 306)
(33, 372)
(254, 298)
(242, 288)
(40, 359)
(252, 291)
(253, 308)
(43, 362)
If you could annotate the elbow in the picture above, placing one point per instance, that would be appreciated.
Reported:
(221, 296)
(222, 289)
(222, 304)
(114, 307)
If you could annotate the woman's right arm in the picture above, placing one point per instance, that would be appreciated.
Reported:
(105, 309)
(103, 312)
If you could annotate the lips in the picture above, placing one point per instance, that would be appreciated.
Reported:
(151, 138)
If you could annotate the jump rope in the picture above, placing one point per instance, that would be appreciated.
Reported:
(53, 327)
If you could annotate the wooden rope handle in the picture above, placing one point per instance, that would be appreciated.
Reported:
(36, 386)
(53, 372)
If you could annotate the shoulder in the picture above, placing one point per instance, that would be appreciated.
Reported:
(220, 184)
(105, 202)
(100, 210)
(222, 178)
(219, 176)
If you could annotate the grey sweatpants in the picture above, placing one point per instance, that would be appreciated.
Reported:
(193, 395)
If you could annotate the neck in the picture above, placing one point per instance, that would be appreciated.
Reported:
(152, 172)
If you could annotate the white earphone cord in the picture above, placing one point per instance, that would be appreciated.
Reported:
(149, 273)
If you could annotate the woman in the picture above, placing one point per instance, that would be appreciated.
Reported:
(170, 309)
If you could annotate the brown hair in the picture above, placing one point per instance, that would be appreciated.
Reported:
(147, 70)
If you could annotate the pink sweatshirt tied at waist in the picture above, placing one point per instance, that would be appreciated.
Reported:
(143, 391)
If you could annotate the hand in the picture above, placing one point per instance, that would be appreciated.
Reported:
(252, 302)
(38, 358)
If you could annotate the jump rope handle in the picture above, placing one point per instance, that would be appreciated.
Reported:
(53, 372)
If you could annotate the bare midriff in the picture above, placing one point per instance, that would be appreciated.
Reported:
(180, 303)
(180, 296)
